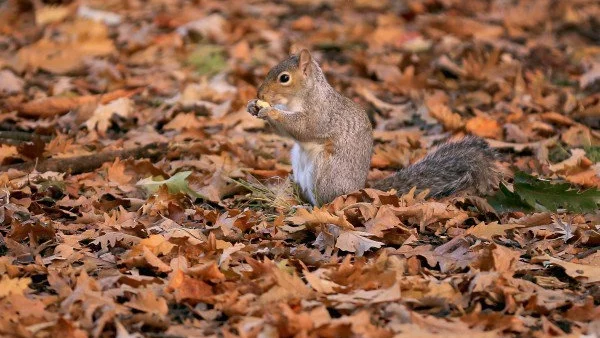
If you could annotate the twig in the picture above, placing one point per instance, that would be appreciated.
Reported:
(87, 163)
(17, 137)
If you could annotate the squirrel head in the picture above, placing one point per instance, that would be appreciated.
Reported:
(286, 82)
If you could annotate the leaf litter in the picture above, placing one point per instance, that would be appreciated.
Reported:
(138, 198)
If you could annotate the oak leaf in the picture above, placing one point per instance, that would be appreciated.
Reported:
(585, 273)
(16, 286)
(148, 301)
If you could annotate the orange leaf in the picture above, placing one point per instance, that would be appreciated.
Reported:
(484, 126)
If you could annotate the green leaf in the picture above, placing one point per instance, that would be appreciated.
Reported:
(554, 196)
(593, 153)
(207, 59)
(176, 184)
(60, 185)
(533, 193)
(505, 201)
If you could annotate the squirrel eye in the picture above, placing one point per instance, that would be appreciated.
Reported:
(284, 78)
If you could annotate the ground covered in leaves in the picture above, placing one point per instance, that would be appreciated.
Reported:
(138, 198)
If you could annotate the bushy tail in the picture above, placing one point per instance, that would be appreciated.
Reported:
(466, 165)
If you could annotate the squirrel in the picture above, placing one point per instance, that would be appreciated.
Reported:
(334, 141)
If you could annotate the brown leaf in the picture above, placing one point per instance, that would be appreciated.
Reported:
(356, 241)
(582, 272)
(491, 230)
(188, 288)
(155, 261)
(148, 301)
(82, 39)
(50, 106)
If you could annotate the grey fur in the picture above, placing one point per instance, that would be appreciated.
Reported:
(337, 135)
(328, 119)
(465, 165)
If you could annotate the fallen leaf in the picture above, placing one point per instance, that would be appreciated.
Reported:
(356, 241)
(101, 117)
(484, 127)
(15, 286)
(491, 230)
(147, 301)
(82, 39)
(582, 272)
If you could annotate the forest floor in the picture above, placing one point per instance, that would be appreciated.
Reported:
(139, 198)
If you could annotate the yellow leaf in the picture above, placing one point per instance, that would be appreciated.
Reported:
(50, 14)
(16, 286)
(157, 244)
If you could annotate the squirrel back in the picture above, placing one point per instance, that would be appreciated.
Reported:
(467, 165)
(334, 140)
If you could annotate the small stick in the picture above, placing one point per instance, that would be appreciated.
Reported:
(87, 163)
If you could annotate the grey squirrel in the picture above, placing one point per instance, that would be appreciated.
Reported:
(334, 141)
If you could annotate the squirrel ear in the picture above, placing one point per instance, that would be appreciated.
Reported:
(305, 61)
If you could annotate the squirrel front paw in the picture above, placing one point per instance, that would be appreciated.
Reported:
(256, 105)
(253, 107)
(268, 112)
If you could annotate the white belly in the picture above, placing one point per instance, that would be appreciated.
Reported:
(304, 157)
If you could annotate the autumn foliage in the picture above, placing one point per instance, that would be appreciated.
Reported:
(139, 198)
